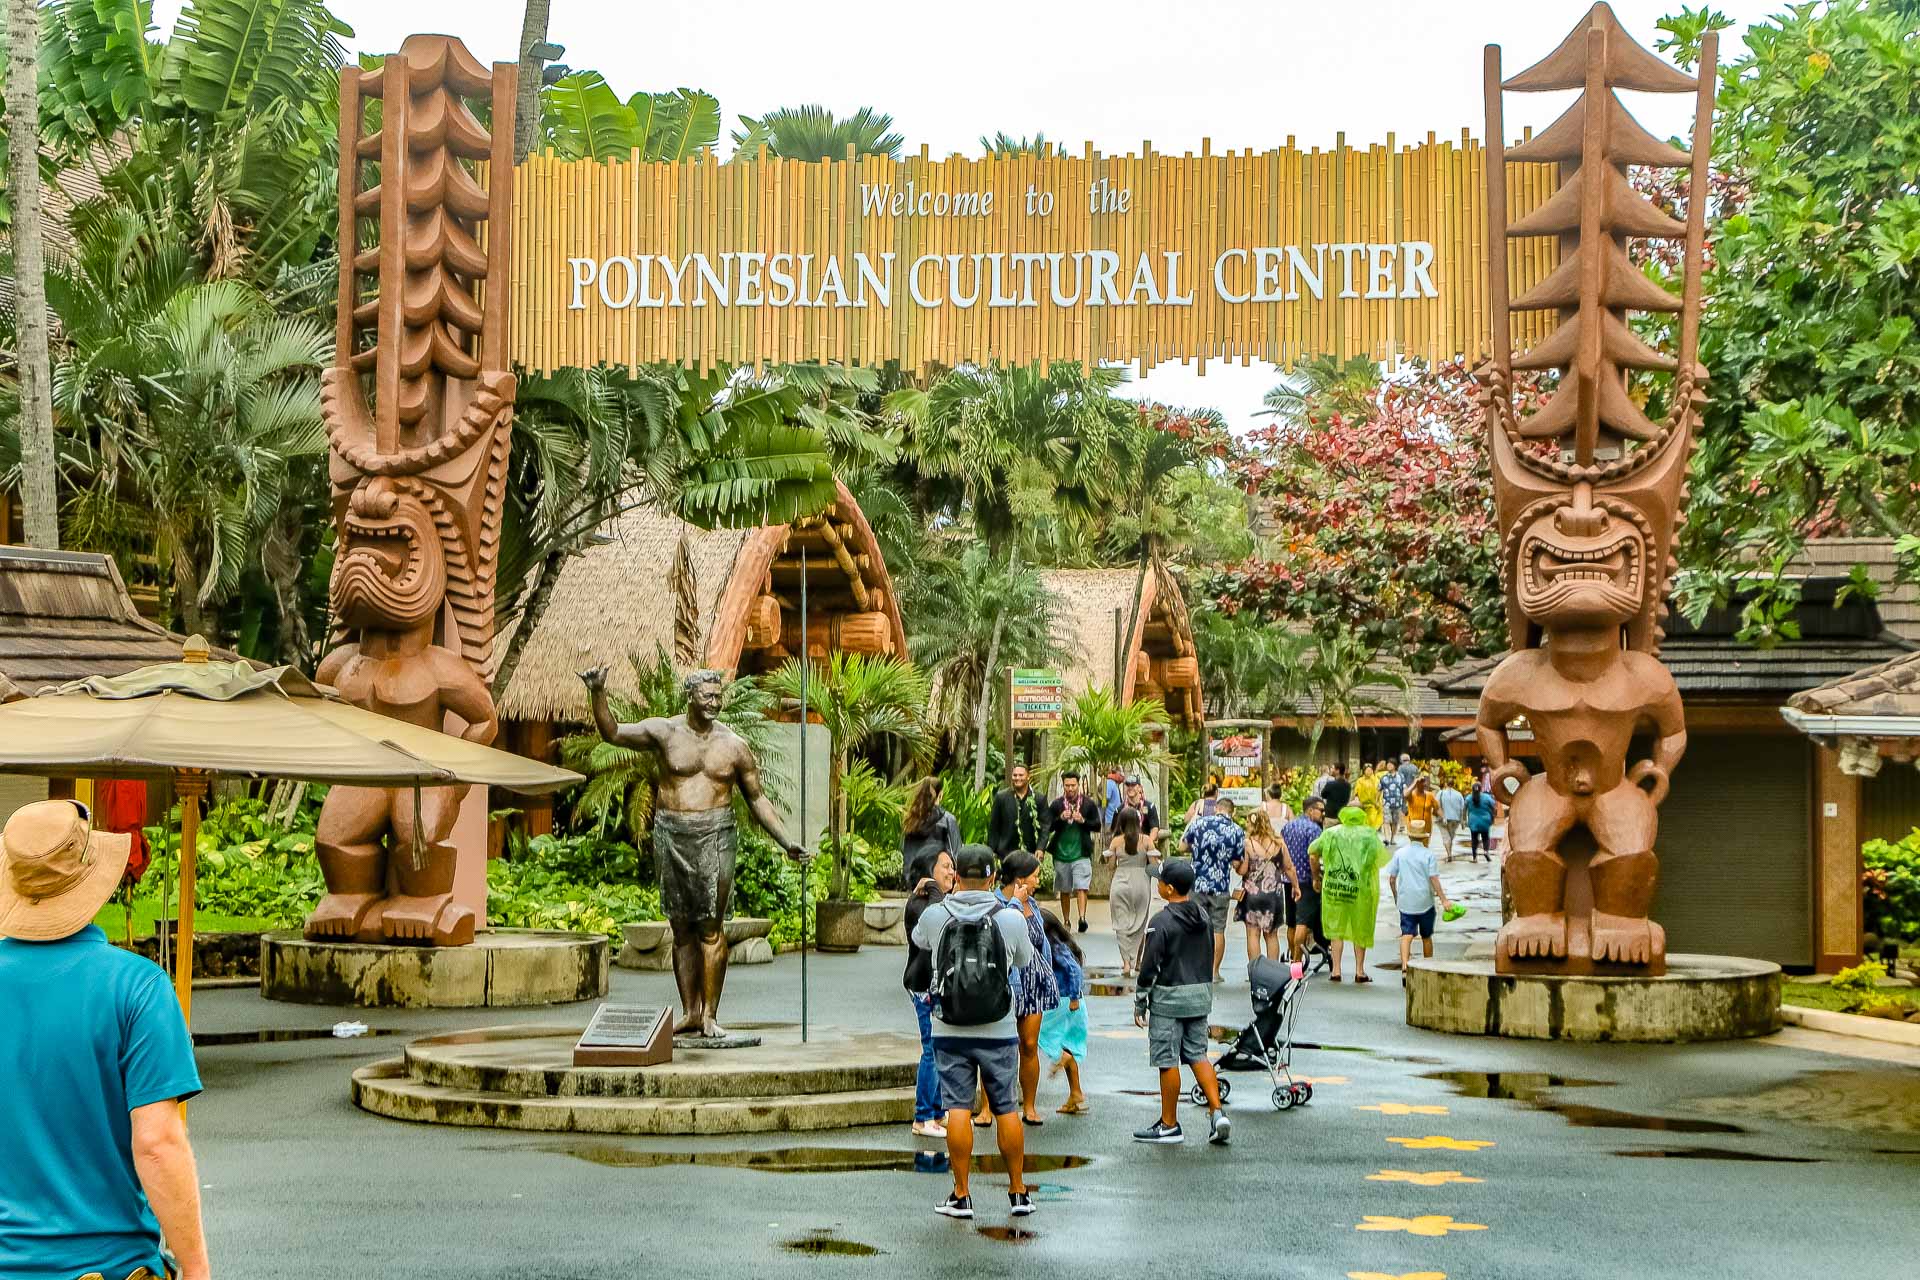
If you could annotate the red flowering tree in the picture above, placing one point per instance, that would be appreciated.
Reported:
(1380, 524)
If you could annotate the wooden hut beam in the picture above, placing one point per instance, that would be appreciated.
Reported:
(844, 558)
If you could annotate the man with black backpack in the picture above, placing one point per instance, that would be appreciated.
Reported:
(977, 942)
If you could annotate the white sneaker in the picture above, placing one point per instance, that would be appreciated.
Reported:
(930, 1129)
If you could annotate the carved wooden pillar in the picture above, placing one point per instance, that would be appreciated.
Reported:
(1590, 490)
(419, 405)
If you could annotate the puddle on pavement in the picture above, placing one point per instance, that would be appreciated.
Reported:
(1713, 1153)
(825, 1244)
(807, 1159)
(277, 1035)
(1009, 1235)
(1531, 1088)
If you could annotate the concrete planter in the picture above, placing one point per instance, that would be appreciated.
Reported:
(649, 945)
(839, 926)
(886, 923)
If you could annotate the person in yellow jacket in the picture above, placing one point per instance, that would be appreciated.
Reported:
(1346, 862)
(1423, 806)
(1366, 794)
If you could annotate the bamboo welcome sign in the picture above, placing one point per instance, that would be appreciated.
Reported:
(1143, 258)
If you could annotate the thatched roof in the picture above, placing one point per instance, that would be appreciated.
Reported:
(1085, 605)
(615, 601)
(66, 615)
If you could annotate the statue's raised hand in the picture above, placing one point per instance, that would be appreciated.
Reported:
(595, 678)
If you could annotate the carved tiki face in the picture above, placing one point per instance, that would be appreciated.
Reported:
(1579, 564)
(391, 573)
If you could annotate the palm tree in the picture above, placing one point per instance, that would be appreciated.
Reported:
(533, 53)
(1144, 511)
(581, 118)
(1002, 143)
(983, 608)
(861, 700)
(1098, 732)
(1245, 661)
(37, 463)
(813, 133)
(1321, 385)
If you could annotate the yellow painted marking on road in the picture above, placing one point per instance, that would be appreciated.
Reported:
(1320, 1080)
(1390, 1275)
(1427, 1224)
(1434, 1142)
(1429, 1178)
(1403, 1109)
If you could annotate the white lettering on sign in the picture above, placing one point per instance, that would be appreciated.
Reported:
(1090, 277)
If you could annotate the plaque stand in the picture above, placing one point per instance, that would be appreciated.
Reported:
(625, 1035)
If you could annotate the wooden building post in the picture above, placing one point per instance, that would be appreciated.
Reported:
(1836, 863)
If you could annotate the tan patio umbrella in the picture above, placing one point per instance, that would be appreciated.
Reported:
(193, 719)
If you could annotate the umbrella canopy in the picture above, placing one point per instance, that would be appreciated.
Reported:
(235, 720)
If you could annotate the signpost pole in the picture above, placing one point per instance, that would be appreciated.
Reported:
(806, 869)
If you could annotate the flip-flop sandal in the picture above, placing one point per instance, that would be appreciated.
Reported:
(1334, 978)
(1072, 1109)
(1033, 1121)
(1363, 978)
(983, 1123)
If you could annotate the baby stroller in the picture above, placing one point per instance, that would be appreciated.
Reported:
(1267, 1042)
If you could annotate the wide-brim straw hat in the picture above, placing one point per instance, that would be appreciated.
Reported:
(56, 871)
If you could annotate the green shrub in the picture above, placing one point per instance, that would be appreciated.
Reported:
(245, 864)
(524, 894)
(1890, 884)
(1859, 986)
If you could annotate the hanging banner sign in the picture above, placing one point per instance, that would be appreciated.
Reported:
(1141, 259)
(1036, 698)
(1235, 764)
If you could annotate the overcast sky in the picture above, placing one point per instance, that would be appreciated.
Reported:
(1244, 73)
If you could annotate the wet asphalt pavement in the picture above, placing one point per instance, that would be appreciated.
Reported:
(1420, 1154)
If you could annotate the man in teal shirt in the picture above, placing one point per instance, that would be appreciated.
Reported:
(96, 1059)
(1073, 820)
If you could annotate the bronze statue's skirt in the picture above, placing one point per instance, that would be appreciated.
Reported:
(693, 854)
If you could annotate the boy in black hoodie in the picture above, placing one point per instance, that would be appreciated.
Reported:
(1176, 987)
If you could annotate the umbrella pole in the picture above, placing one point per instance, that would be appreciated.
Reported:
(190, 785)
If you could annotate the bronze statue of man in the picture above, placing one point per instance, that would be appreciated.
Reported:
(701, 762)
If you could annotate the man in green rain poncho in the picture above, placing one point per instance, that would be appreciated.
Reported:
(1346, 870)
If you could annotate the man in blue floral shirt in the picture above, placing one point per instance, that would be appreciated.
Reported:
(1303, 914)
(1393, 803)
(1218, 848)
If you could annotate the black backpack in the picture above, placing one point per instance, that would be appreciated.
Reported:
(973, 976)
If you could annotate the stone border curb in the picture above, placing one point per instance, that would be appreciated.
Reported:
(1851, 1024)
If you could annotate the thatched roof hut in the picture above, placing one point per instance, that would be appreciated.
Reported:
(1157, 661)
(617, 600)
(66, 615)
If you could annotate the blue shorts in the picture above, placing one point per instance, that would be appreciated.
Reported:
(1421, 924)
(966, 1065)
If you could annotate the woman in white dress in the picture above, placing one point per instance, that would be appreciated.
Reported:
(1131, 896)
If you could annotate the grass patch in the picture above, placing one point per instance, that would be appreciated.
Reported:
(1819, 996)
(113, 921)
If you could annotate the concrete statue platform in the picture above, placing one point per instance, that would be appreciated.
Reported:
(523, 1077)
(502, 968)
(649, 945)
(1699, 998)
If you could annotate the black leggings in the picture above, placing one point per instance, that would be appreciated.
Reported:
(1481, 840)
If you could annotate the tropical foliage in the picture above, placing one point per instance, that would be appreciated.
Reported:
(1809, 333)
(1379, 522)
(1098, 732)
(862, 701)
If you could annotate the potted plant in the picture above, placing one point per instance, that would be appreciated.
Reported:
(860, 699)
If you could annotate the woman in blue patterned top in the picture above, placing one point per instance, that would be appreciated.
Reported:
(1034, 990)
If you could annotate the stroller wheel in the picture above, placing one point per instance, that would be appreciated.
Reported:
(1198, 1096)
(1226, 1090)
(1304, 1093)
(1282, 1098)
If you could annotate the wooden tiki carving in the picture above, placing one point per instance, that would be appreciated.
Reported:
(419, 406)
(1590, 490)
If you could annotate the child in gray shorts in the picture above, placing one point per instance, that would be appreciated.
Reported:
(1172, 1000)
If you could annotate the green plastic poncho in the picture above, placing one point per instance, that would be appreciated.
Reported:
(1351, 856)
